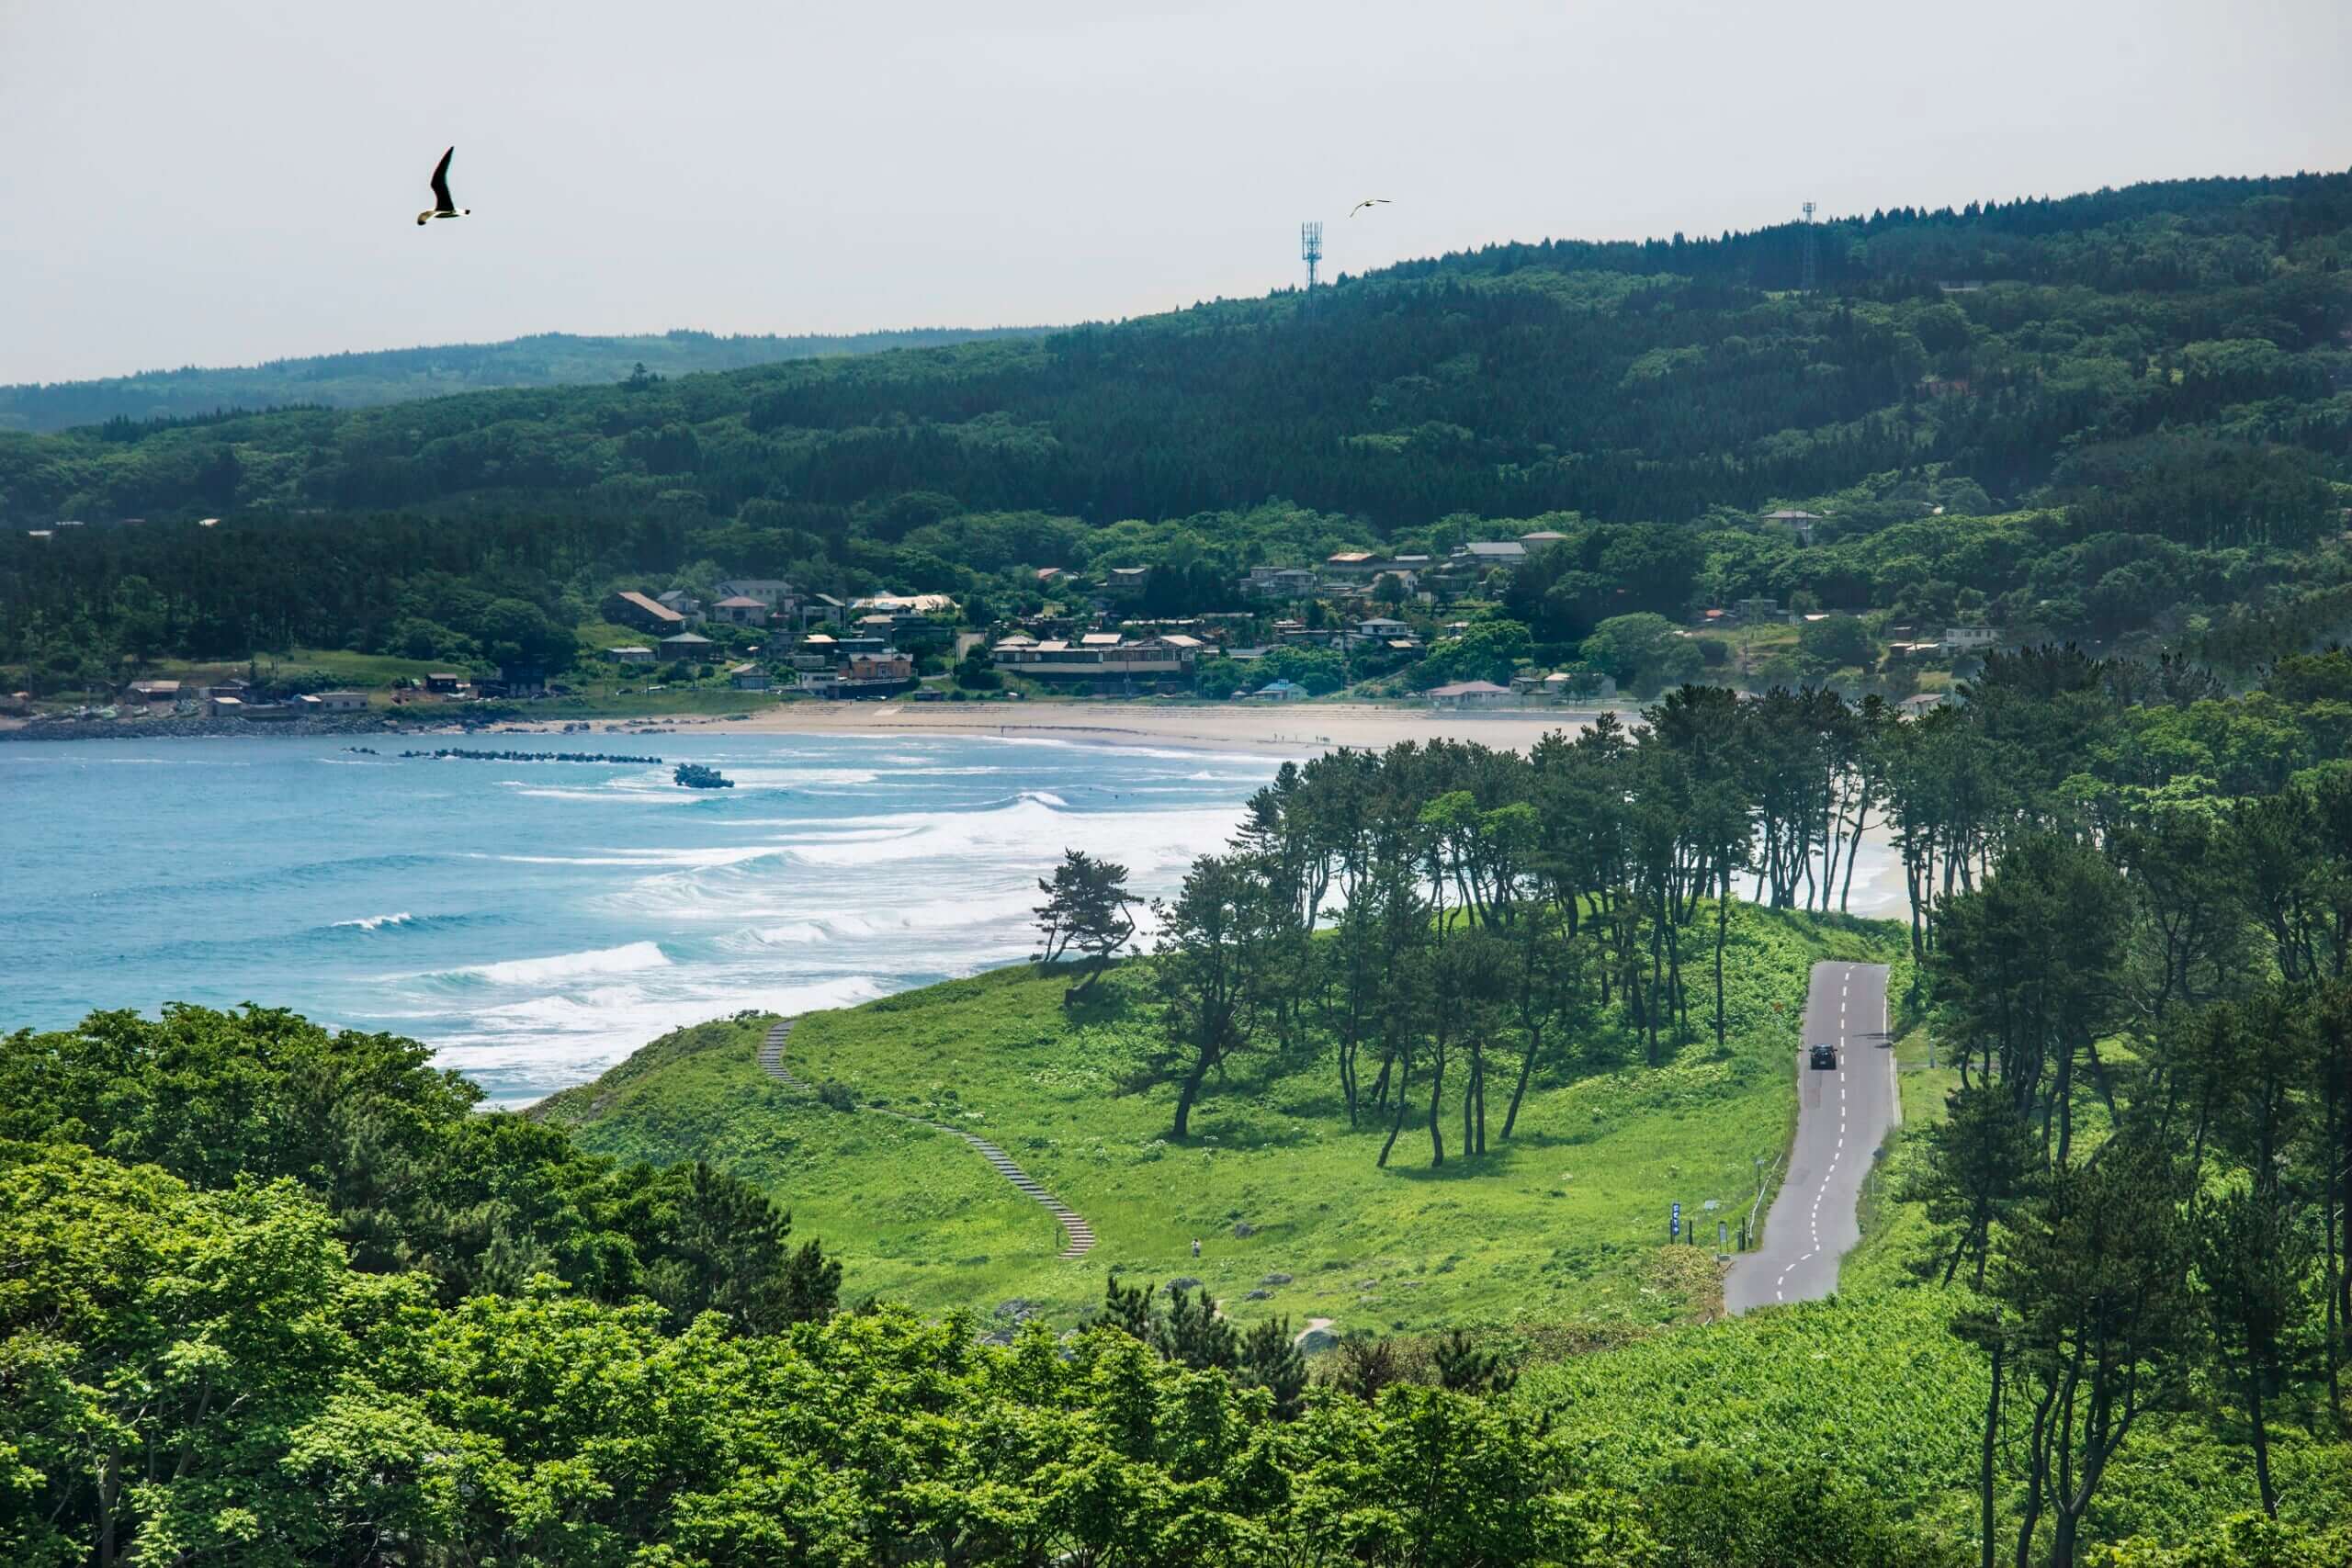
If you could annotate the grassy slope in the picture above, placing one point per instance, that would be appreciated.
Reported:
(1868, 1382)
(1562, 1223)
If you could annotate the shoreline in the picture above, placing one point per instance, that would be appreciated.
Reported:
(1303, 729)
(1299, 731)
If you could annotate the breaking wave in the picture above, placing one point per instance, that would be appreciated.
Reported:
(628, 959)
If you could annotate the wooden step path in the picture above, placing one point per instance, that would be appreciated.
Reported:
(1074, 1225)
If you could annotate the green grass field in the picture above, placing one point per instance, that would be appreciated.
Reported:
(1563, 1223)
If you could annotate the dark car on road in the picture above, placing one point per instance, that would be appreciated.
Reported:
(1825, 1057)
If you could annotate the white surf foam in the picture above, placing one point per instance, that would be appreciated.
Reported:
(378, 922)
(584, 1035)
(628, 959)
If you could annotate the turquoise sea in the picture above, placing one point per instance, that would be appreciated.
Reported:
(535, 922)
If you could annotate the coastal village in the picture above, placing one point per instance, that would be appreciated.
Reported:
(1414, 628)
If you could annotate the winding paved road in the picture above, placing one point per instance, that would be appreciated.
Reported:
(1842, 1117)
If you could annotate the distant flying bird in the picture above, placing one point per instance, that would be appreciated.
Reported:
(1359, 206)
(442, 206)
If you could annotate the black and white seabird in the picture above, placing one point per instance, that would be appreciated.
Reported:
(442, 206)
(1359, 206)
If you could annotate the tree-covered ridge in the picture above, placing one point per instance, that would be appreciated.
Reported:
(1502, 384)
(2119, 415)
(417, 1180)
(399, 375)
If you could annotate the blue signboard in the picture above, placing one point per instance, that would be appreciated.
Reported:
(1674, 1226)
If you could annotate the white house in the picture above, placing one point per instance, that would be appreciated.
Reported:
(768, 591)
(1962, 640)
(1279, 582)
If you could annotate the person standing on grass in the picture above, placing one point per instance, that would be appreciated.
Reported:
(1196, 1246)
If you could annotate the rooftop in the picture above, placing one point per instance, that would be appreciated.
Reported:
(658, 612)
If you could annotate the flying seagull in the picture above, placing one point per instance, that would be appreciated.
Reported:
(1359, 206)
(442, 206)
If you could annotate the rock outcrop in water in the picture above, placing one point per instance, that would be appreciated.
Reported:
(693, 775)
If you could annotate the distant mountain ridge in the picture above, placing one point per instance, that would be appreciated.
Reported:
(367, 378)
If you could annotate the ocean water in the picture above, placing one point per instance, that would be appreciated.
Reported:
(535, 922)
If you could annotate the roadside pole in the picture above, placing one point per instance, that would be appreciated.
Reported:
(1893, 1067)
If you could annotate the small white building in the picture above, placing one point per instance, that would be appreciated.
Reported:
(1965, 639)
(769, 591)
(1279, 582)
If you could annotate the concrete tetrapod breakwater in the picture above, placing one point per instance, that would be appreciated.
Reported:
(1074, 1225)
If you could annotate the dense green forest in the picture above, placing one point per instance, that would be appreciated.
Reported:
(2121, 416)
(399, 375)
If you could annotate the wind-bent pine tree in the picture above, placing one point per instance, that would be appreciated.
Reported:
(1085, 912)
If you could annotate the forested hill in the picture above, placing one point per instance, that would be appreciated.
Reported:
(399, 375)
(2113, 413)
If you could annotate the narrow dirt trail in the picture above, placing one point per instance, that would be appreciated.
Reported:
(1073, 1224)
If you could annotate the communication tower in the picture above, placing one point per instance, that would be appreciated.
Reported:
(1805, 281)
(1310, 250)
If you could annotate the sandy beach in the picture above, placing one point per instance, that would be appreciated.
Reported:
(1301, 730)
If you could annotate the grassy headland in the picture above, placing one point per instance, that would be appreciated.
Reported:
(1564, 1222)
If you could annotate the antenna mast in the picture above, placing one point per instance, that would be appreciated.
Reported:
(1310, 249)
(1807, 279)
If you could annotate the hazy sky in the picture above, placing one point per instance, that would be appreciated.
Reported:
(225, 181)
